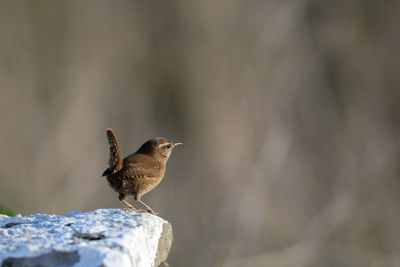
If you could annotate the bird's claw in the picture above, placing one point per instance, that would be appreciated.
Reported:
(152, 212)
(141, 211)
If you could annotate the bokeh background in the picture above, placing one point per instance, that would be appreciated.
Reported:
(289, 113)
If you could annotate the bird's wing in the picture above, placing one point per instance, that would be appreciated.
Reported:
(115, 161)
(139, 170)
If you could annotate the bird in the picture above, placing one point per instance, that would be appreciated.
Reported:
(140, 172)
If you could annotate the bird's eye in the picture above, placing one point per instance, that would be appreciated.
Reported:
(168, 146)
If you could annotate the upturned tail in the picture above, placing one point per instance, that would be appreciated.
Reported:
(115, 161)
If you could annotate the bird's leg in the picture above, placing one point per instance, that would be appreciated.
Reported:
(147, 207)
(129, 206)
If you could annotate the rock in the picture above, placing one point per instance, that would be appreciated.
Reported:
(104, 237)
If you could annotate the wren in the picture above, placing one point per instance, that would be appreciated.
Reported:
(140, 172)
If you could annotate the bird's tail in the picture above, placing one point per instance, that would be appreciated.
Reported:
(115, 161)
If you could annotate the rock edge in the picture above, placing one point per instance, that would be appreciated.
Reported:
(104, 237)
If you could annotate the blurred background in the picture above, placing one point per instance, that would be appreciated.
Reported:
(289, 113)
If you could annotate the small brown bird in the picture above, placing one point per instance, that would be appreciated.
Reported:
(139, 172)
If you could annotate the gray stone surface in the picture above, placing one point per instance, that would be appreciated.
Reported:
(164, 244)
(106, 237)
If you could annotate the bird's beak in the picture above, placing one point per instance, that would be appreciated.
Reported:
(177, 144)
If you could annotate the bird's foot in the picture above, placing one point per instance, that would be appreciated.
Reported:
(133, 209)
(141, 211)
(149, 210)
(152, 212)
(129, 209)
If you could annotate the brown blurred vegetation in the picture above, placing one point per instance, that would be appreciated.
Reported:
(289, 113)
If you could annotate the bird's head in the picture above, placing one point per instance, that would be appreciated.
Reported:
(160, 148)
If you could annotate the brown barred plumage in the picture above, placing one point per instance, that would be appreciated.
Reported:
(139, 172)
(115, 161)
